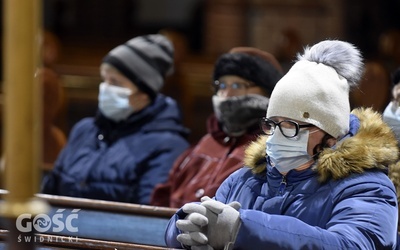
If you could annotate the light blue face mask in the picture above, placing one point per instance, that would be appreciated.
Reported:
(114, 102)
(288, 153)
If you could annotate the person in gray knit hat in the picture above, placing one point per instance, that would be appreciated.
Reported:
(145, 61)
(317, 179)
(131, 144)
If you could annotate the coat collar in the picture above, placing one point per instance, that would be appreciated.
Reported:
(370, 144)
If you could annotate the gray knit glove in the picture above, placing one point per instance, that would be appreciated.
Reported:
(194, 226)
(223, 223)
(211, 225)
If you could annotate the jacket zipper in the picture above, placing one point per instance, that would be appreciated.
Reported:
(282, 186)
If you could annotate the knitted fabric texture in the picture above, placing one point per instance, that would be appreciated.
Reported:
(316, 89)
(144, 60)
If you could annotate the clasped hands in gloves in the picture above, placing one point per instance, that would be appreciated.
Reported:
(211, 225)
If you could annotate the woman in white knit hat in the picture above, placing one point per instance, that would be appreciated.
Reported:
(317, 179)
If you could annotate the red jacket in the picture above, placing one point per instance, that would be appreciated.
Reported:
(201, 169)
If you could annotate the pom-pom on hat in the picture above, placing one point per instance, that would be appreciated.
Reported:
(145, 60)
(316, 88)
(255, 65)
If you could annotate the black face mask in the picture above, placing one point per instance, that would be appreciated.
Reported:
(237, 113)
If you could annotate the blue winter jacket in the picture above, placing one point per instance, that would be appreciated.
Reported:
(120, 161)
(346, 201)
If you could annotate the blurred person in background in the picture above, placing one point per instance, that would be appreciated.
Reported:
(243, 80)
(131, 144)
(391, 114)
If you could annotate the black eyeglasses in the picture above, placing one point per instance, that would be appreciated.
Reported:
(288, 128)
(236, 86)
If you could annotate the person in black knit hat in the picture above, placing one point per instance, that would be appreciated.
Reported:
(238, 112)
(131, 144)
(243, 80)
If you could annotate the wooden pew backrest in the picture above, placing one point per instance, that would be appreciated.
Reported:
(102, 221)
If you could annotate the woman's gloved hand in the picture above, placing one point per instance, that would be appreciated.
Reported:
(209, 225)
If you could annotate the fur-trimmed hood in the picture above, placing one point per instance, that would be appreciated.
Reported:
(374, 146)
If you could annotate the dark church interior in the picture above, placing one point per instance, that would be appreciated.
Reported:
(77, 34)
(84, 31)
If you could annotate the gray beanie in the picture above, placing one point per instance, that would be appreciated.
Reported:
(145, 60)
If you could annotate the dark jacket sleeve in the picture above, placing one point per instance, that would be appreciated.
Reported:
(172, 231)
(162, 192)
(49, 184)
(159, 166)
(52, 178)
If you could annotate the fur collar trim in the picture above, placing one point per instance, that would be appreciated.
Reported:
(374, 146)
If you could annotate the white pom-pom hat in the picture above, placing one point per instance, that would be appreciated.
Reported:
(316, 89)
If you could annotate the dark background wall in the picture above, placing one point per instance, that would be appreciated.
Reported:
(203, 29)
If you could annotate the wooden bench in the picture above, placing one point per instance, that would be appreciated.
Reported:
(51, 242)
(102, 224)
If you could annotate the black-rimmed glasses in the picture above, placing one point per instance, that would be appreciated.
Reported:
(288, 128)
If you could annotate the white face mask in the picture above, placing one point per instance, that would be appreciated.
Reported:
(114, 102)
(288, 153)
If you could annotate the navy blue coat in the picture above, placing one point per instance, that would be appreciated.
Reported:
(120, 161)
(346, 201)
